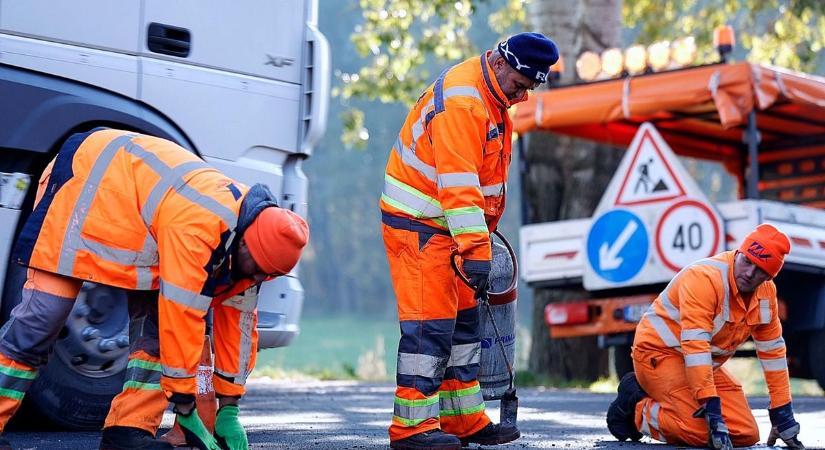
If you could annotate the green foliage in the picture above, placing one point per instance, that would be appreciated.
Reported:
(787, 33)
(396, 38)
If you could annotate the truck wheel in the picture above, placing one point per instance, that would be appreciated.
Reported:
(88, 362)
(622, 361)
(816, 356)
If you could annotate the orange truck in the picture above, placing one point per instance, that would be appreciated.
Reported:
(763, 126)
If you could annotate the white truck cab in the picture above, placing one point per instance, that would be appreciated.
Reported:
(242, 84)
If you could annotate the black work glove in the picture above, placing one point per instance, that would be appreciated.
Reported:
(784, 427)
(718, 436)
(478, 273)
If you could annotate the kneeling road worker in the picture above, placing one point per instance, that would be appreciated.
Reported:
(680, 393)
(142, 213)
(444, 190)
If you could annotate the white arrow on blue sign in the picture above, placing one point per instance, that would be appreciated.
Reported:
(617, 245)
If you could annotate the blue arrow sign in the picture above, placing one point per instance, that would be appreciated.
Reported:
(617, 245)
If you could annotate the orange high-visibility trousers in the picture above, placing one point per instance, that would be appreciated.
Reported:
(439, 350)
(667, 413)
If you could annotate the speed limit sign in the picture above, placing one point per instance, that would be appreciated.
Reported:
(687, 232)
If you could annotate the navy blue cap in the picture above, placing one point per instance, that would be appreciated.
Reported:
(530, 54)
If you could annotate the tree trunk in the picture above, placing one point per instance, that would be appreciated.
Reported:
(566, 177)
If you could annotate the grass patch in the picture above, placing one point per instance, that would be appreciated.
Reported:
(336, 348)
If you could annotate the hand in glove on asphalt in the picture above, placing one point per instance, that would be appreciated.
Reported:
(228, 430)
(195, 431)
(478, 272)
(718, 436)
(784, 427)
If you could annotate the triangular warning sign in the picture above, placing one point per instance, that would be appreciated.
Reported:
(650, 176)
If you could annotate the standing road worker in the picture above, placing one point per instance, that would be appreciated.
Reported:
(142, 213)
(680, 393)
(444, 191)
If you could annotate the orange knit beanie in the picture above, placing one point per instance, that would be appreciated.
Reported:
(766, 247)
(275, 239)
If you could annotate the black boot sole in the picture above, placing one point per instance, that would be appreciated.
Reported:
(619, 425)
(405, 446)
(497, 440)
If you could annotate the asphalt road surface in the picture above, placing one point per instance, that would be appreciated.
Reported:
(351, 415)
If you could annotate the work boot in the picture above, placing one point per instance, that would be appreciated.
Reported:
(128, 438)
(621, 415)
(428, 440)
(4, 443)
(492, 434)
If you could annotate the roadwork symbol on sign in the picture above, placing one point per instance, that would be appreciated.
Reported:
(617, 245)
(652, 220)
(650, 176)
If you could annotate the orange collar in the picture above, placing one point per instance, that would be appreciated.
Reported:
(491, 82)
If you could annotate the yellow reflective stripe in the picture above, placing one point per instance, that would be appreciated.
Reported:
(468, 219)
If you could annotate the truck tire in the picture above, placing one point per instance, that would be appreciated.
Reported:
(75, 389)
(622, 361)
(816, 356)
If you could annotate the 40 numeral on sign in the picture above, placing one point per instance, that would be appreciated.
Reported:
(687, 232)
(688, 237)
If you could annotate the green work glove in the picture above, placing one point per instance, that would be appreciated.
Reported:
(195, 431)
(228, 430)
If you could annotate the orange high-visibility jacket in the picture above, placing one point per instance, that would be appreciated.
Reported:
(139, 212)
(448, 166)
(702, 315)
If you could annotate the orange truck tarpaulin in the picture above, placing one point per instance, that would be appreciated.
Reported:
(698, 110)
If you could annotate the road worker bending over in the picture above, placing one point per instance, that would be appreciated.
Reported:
(444, 191)
(144, 214)
(680, 393)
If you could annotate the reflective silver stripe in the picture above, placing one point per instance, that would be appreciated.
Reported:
(421, 365)
(695, 334)
(671, 310)
(150, 159)
(170, 179)
(661, 328)
(773, 344)
(176, 372)
(718, 323)
(462, 402)
(645, 425)
(184, 297)
(465, 219)
(408, 155)
(764, 311)
(71, 239)
(418, 203)
(246, 326)
(716, 351)
(418, 413)
(723, 272)
(120, 256)
(410, 159)
(144, 274)
(773, 365)
(458, 179)
(698, 359)
(465, 354)
(654, 415)
(461, 91)
(493, 190)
